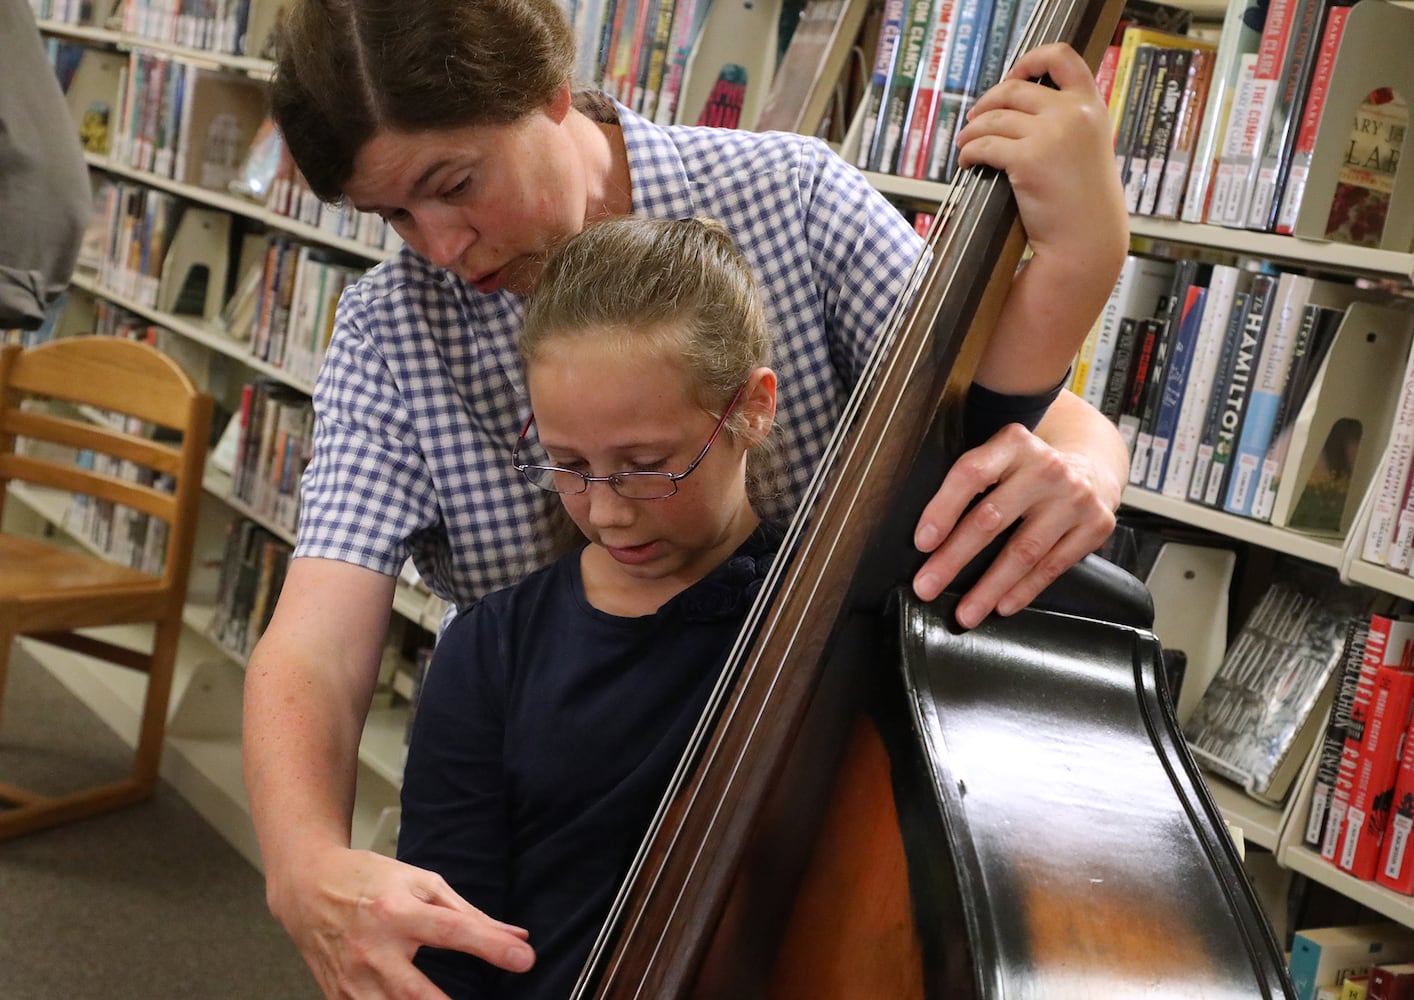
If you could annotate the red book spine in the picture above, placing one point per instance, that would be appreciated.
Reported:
(1368, 812)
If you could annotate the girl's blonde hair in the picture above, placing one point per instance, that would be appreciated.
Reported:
(680, 289)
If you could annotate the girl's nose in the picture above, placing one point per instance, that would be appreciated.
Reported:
(606, 508)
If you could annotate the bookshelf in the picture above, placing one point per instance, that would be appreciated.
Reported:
(203, 761)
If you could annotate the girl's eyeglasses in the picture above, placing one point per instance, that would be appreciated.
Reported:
(630, 485)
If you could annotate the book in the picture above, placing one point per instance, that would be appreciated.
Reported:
(1233, 403)
(1392, 981)
(1333, 738)
(1185, 273)
(1365, 184)
(1314, 335)
(1354, 193)
(1327, 954)
(1142, 282)
(1294, 78)
(893, 115)
(885, 51)
(1393, 477)
(1175, 84)
(1223, 285)
(1176, 381)
(1148, 333)
(923, 111)
(1368, 758)
(1174, 181)
(1355, 988)
(1210, 424)
(1252, 113)
(1152, 92)
(1122, 371)
(1315, 100)
(1241, 31)
(814, 59)
(1264, 394)
(1263, 709)
(1368, 786)
(961, 71)
(1395, 866)
(688, 18)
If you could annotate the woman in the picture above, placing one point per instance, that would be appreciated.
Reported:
(455, 120)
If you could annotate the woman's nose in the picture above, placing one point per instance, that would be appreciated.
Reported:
(445, 239)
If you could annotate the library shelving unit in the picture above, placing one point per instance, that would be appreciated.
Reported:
(1279, 830)
(202, 758)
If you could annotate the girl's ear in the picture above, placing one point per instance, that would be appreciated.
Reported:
(759, 404)
(560, 102)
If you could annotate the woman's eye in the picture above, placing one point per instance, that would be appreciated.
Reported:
(458, 189)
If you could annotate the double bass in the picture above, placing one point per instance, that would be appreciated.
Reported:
(878, 805)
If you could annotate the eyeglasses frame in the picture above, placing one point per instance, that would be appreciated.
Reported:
(615, 478)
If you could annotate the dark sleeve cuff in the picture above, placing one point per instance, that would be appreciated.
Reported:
(984, 412)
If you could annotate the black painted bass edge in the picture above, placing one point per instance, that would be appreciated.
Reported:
(1062, 823)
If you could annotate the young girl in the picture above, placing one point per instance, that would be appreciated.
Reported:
(555, 711)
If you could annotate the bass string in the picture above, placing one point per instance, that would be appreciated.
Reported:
(883, 364)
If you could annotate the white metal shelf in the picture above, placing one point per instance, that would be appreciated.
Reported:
(1325, 551)
(1391, 904)
(1243, 242)
(242, 207)
(261, 69)
(193, 329)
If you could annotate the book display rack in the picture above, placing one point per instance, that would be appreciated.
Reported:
(258, 350)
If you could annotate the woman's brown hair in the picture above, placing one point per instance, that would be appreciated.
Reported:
(346, 69)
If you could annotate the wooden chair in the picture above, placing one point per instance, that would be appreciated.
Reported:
(47, 591)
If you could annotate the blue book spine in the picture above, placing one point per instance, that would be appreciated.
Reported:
(1175, 385)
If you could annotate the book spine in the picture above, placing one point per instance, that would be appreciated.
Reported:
(1293, 78)
(1207, 441)
(1368, 812)
(1394, 474)
(923, 113)
(1304, 361)
(1234, 404)
(894, 114)
(1222, 286)
(884, 53)
(1333, 741)
(1241, 31)
(1310, 120)
(1377, 638)
(1268, 383)
(1176, 381)
(1395, 867)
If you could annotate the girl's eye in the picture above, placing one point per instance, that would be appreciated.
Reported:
(655, 465)
(395, 215)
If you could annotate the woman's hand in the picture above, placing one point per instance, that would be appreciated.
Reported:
(358, 918)
(1064, 495)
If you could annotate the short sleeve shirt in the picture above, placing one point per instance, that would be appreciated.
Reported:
(420, 398)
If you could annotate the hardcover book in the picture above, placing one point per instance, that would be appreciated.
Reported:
(1263, 709)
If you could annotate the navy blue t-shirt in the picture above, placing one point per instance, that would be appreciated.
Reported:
(545, 737)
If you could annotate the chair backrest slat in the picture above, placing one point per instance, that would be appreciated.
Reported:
(40, 472)
(108, 374)
(106, 440)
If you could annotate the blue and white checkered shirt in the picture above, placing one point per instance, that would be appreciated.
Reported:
(420, 398)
